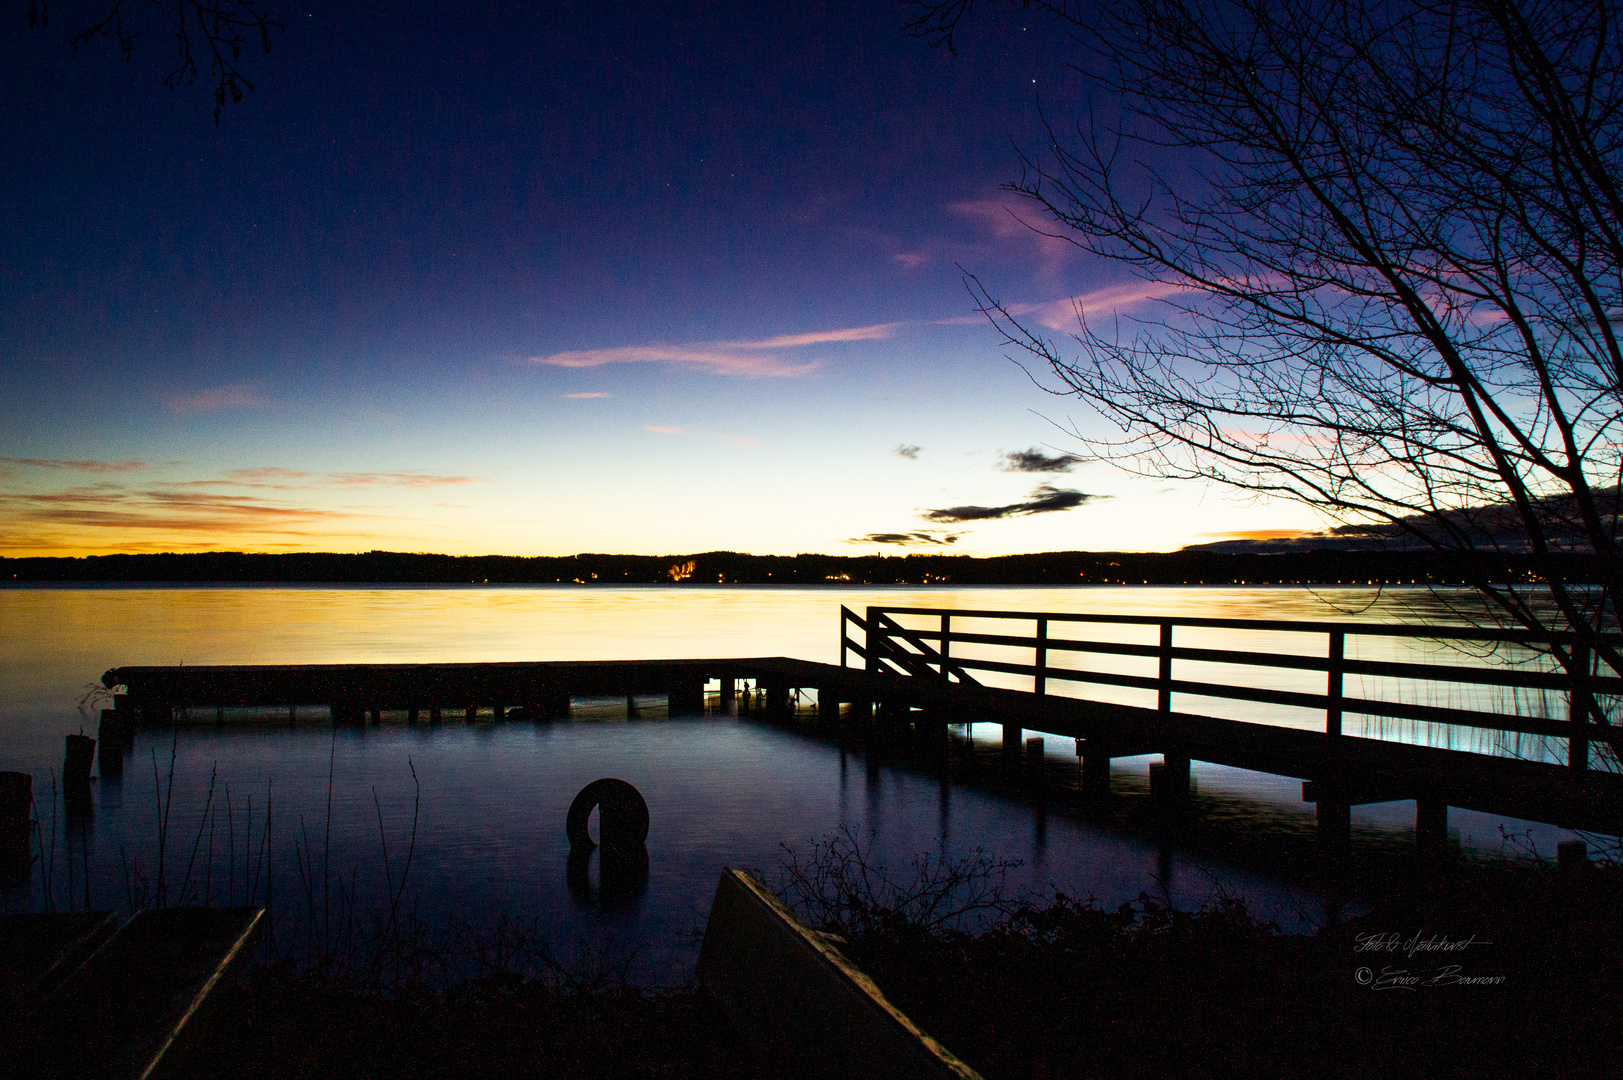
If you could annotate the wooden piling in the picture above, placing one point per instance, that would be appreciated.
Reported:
(1169, 779)
(686, 699)
(1334, 815)
(1430, 825)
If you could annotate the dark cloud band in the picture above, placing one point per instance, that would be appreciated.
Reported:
(1035, 461)
(1045, 499)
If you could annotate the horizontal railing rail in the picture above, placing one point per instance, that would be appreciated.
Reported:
(888, 646)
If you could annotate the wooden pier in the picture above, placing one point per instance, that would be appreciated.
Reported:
(923, 678)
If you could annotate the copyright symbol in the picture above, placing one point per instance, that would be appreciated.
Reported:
(1363, 976)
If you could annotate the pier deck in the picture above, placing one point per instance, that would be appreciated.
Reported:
(1337, 770)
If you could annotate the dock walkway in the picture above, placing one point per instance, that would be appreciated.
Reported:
(911, 678)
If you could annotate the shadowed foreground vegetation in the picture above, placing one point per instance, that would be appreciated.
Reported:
(1041, 988)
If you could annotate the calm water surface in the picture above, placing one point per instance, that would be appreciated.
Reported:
(721, 790)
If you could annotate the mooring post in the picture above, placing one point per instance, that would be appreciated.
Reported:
(1430, 824)
(946, 647)
(1580, 701)
(1041, 685)
(1034, 759)
(1333, 683)
(1164, 675)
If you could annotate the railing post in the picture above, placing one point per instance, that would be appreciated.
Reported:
(1333, 679)
(1580, 701)
(1042, 656)
(872, 640)
(845, 617)
(946, 632)
(1164, 702)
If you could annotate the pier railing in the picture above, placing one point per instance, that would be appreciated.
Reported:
(1485, 666)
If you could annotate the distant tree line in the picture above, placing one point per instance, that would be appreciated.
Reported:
(730, 567)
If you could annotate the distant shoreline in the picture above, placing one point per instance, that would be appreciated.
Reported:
(1187, 567)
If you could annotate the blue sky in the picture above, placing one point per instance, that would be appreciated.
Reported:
(550, 278)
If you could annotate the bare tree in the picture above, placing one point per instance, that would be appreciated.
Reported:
(1393, 237)
(209, 35)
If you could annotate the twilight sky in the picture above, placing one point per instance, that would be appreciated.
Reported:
(549, 278)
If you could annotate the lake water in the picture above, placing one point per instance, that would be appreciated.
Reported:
(721, 790)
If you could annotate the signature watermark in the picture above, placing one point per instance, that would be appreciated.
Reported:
(1390, 978)
(1419, 944)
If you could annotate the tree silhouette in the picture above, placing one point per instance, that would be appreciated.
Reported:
(1389, 238)
(209, 35)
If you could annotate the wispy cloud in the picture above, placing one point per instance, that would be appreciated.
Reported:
(217, 398)
(77, 465)
(908, 451)
(1044, 499)
(400, 479)
(742, 441)
(746, 359)
(587, 396)
(1064, 313)
(917, 538)
(281, 479)
(1035, 461)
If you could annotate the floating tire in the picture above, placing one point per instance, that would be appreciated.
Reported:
(622, 820)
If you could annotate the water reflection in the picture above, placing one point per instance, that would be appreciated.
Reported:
(721, 790)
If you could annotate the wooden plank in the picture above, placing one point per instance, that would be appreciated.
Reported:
(799, 1003)
(39, 951)
(128, 1011)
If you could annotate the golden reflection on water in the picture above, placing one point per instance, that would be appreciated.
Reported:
(58, 640)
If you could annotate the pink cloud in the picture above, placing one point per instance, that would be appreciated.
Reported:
(1009, 228)
(587, 396)
(1124, 296)
(877, 331)
(713, 359)
(657, 430)
(748, 359)
(216, 398)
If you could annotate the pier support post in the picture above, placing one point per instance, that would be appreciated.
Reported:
(1035, 771)
(1095, 765)
(686, 699)
(1335, 824)
(434, 716)
(828, 710)
(1430, 825)
(777, 701)
(471, 713)
(1011, 738)
(1169, 780)
(631, 706)
(728, 691)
